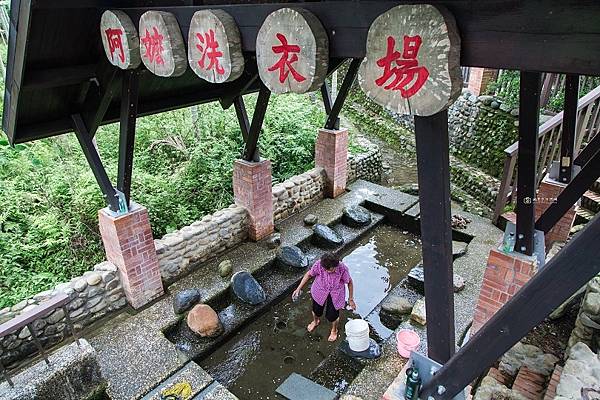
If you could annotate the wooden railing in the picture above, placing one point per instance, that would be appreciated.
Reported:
(27, 318)
(550, 133)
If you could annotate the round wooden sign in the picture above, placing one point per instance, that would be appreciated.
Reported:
(120, 39)
(161, 44)
(292, 51)
(215, 46)
(413, 60)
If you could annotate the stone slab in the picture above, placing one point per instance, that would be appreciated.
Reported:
(297, 387)
(191, 373)
(215, 391)
(385, 197)
(414, 211)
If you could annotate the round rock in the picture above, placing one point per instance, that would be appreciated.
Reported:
(186, 299)
(225, 268)
(326, 237)
(396, 305)
(292, 256)
(93, 279)
(356, 216)
(204, 321)
(311, 219)
(247, 289)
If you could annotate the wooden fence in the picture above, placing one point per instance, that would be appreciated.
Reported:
(550, 133)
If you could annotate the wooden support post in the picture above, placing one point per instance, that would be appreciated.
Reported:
(436, 232)
(91, 154)
(332, 118)
(529, 100)
(562, 276)
(98, 101)
(327, 102)
(129, 102)
(251, 152)
(567, 145)
(570, 195)
(242, 116)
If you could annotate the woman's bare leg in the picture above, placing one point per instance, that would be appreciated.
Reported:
(333, 335)
(315, 322)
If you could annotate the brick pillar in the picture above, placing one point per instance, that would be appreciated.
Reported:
(480, 79)
(129, 245)
(547, 193)
(504, 275)
(331, 153)
(252, 190)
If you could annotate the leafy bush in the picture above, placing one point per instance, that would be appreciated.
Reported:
(182, 170)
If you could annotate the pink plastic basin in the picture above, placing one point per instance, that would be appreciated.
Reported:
(408, 341)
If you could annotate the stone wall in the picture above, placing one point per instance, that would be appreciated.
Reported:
(92, 296)
(480, 129)
(367, 165)
(297, 193)
(587, 324)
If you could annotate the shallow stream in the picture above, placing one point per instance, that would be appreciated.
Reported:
(262, 355)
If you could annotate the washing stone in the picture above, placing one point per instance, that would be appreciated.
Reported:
(297, 387)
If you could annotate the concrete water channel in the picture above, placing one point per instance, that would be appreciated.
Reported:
(141, 352)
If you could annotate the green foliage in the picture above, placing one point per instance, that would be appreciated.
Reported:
(506, 87)
(182, 171)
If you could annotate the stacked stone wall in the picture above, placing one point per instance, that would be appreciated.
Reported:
(92, 296)
(587, 324)
(480, 129)
(297, 193)
(367, 165)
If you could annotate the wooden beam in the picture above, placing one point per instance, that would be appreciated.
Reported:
(562, 276)
(91, 154)
(588, 151)
(433, 165)
(97, 102)
(570, 194)
(129, 105)
(332, 118)
(529, 108)
(567, 144)
(55, 77)
(242, 116)
(251, 152)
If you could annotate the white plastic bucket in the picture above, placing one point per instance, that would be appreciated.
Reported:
(357, 333)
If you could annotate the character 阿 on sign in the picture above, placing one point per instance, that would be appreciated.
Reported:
(163, 49)
(120, 39)
(115, 42)
(208, 46)
(215, 46)
(284, 64)
(412, 63)
(408, 76)
(292, 51)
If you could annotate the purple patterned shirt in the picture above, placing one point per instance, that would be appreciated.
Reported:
(327, 283)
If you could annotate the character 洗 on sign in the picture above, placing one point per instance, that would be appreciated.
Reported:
(214, 46)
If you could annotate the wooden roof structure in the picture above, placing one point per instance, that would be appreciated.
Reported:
(59, 80)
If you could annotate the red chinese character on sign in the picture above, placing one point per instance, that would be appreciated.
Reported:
(406, 68)
(284, 65)
(115, 42)
(154, 48)
(208, 46)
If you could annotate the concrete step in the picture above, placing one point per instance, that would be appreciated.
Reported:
(583, 216)
(596, 186)
(591, 201)
(297, 387)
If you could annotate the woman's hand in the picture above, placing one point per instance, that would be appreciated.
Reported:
(296, 293)
(352, 304)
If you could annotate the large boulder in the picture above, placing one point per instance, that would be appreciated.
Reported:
(204, 321)
(247, 289)
(527, 355)
(326, 237)
(186, 299)
(292, 256)
(396, 305)
(356, 216)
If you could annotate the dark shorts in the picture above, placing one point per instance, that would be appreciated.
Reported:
(330, 312)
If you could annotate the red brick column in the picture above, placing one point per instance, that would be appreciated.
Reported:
(504, 275)
(129, 245)
(480, 79)
(331, 154)
(548, 192)
(252, 190)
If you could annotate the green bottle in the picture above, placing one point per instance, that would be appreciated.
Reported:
(413, 384)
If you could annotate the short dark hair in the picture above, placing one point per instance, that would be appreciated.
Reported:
(329, 261)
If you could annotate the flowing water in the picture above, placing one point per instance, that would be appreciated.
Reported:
(262, 355)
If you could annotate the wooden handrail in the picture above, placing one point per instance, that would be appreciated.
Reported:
(550, 130)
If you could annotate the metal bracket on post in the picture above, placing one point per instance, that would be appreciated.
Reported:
(539, 245)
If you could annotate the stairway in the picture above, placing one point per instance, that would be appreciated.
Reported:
(590, 204)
